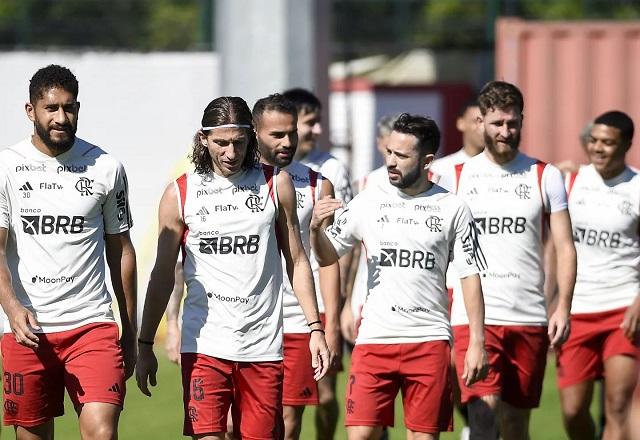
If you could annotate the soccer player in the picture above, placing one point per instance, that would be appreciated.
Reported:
(275, 120)
(411, 231)
(63, 205)
(232, 217)
(512, 198)
(604, 202)
(309, 129)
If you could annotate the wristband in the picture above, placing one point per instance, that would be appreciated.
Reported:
(316, 330)
(143, 342)
(314, 322)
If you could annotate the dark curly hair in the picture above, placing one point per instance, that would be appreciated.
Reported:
(50, 77)
(225, 110)
(424, 129)
(500, 95)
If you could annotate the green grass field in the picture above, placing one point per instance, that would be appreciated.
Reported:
(160, 417)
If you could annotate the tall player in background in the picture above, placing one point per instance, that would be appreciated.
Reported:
(355, 291)
(232, 217)
(511, 196)
(63, 207)
(275, 120)
(404, 339)
(604, 203)
(309, 130)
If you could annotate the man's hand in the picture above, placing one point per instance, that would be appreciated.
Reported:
(631, 322)
(323, 209)
(476, 365)
(321, 358)
(559, 327)
(347, 323)
(22, 321)
(172, 342)
(334, 342)
(146, 368)
(128, 345)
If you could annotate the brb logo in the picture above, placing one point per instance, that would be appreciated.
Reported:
(392, 257)
(52, 224)
(225, 244)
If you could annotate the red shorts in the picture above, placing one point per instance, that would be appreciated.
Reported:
(337, 364)
(420, 370)
(517, 359)
(87, 361)
(299, 386)
(595, 337)
(211, 384)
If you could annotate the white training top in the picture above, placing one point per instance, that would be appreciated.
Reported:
(510, 204)
(232, 265)
(444, 171)
(332, 169)
(444, 167)
(57, 211)
(605, 218)
(308, 185)
(409, 243)
(377, 177)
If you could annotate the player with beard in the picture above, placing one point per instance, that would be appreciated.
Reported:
(603, 201)
(309, 127)
(516, 201)
(233, 218)
(412, 229)
(63, 205)
(275, 120)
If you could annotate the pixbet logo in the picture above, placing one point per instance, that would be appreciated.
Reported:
(71, 169)
(30, 167)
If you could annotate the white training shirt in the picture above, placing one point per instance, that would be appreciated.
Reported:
(409, 242)
(509, 204)
(332, 169)
(377, 177)
(605, 218)
(444, 167)
(232, 265)
(308, 185)
(57, 211)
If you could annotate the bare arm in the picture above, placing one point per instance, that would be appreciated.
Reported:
(20, 319)
(559, 325)
(329, 277)
(121, 258)
(475, 363)
(172, 341)
(299, 271)
(160, 285)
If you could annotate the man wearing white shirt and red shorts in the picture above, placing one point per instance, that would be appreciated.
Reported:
(411, 231)
(604, 202)
(514, 199)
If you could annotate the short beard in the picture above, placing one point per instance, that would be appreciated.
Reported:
(408, 180)
(57, 146)
(490, 143)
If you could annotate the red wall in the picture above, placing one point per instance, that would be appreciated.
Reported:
(569, 73)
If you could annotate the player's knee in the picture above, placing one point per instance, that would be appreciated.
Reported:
(617, 406)
(99, 431)
(574, 410)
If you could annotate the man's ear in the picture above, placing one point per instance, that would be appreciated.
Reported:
(31, 111)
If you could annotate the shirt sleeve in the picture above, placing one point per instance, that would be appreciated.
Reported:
(116, 211)
(467, 257)
(345, 233)
(5, 210)
(555, 193)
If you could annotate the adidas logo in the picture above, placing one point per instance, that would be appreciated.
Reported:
(306, 392)
(26, 187)
(203, 211)
(472, 191)
(115, 388)
(383, 219)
